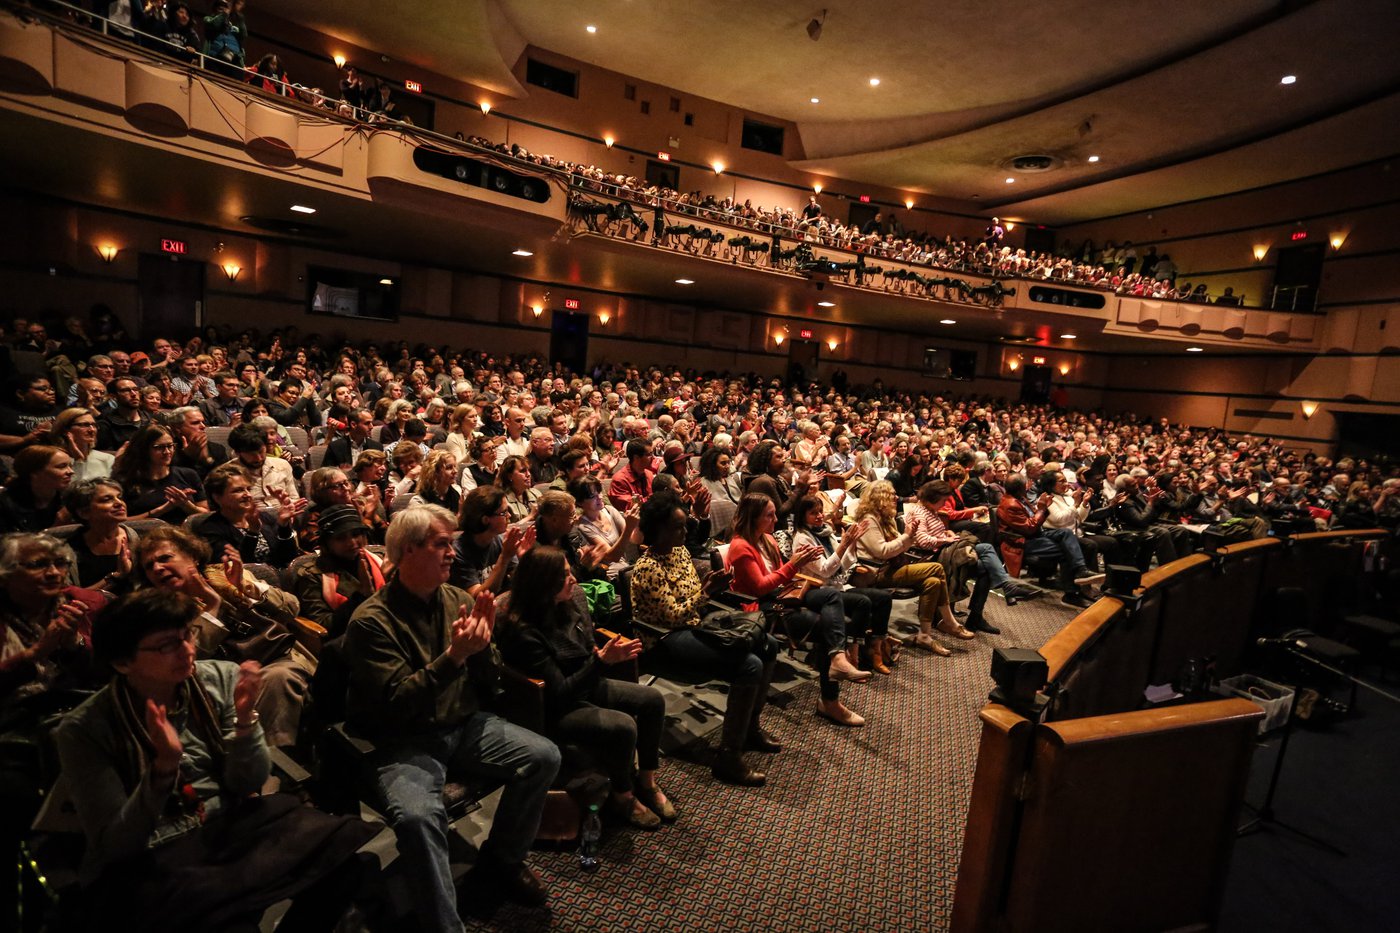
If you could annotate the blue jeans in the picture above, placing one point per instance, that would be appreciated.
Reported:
(1063, 546)
(823, 610)
(989, 565)
(410, 776)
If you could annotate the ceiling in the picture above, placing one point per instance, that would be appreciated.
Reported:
(1178, 101)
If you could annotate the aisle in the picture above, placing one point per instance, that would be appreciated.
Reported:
(856, 829)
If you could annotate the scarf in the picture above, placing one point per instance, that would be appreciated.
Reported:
(330, 584)
(137, 749)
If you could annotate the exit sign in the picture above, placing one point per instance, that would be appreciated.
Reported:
(865, 199)
(805, 334)
(571, 304)
(414, 86)
(664, 156)
(1038, 360)
(1299, 235)
(173, 246)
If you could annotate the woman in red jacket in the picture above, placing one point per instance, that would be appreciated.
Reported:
(760, 572)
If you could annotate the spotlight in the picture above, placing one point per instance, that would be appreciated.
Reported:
(874, 82)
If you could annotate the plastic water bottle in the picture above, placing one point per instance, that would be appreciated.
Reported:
(588, 837)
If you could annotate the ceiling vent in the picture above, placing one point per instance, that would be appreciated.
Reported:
(1033, 163)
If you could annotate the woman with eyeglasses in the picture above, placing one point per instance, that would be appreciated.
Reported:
(481, 471)
(75, 431)
(166, 765)
(244, 619)
(104, 543)
(236, 524)
(33, 499)
(45, 659)
(154, 486)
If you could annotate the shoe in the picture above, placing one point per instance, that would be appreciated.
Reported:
(982, 625)
(1090, 579)
(634, 813)
(759, 740)
(842, 669)
(841, 716)
(518, 883)
(661, 806)
(928, 644)
(853, 655)
(1078, 600)
(890, 649)
(729, 767)
(957, 631)
(875, 658)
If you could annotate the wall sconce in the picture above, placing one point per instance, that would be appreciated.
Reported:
(1064, 369)
(536, 310)
(608, 141)
(1013, 365)
(108, 253)
(485, 107)
(1309, 409)
(339, 61)
(778, 339)
(1337, 240)
(832, 344)
(604, 317)
(231, 270)
(718, 167)
(1260, 252)
(1010, 226)
(817, 188)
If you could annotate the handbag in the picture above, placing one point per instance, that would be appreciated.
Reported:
(732, 630)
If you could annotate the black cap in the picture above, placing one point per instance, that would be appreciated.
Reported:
(340, 519)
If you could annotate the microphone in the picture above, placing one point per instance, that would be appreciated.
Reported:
(1284, 642)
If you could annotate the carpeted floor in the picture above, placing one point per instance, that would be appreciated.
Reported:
(857, 829)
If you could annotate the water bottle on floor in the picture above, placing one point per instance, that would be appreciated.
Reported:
(588, 837)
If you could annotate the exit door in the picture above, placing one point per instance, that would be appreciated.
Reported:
(171, 296)
(861, 214)
(568, 340)
(802, 361)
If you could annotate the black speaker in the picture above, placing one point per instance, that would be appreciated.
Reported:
(1121, 580)
(1019, 673)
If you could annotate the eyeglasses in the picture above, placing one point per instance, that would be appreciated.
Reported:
(43, 563)
(162, 446)
(172, 645)
(84, 424)
(503, 513)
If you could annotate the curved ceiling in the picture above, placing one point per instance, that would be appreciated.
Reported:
(965, 86)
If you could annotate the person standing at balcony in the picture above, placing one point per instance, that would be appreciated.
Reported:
(225, 31)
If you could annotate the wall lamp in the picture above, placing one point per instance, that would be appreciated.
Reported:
(536, 310)
(1013, 365)
(108, 253)
(1309, 409)
(832, 344)
(1337, 240)
(339, 61)
(1260, 252)
(604, 317)
(485, 107)
(718, 167)
(608, 141)
(778, 339)
(231, 269)
(1064, 369)
(817, 188)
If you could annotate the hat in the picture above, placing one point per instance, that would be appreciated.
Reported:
(674, 455)
(340, 519)
(139, 357)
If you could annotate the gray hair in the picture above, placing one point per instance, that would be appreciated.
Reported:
(1121, 481)
(396, 406)
(13, 545)
(411, 527)
(176, 417)
(265, 423)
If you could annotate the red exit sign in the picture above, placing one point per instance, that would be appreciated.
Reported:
(865, 199)
(805, 334)
(1038, 360)
(1299, 235)
(414, 86)
(173, 246)
(664, 156)
(571, 304)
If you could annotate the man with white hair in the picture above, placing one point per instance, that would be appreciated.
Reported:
(420, 659)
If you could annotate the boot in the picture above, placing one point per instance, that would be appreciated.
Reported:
(728, 764)
(875, 654)
(759, 739)
(853, 655)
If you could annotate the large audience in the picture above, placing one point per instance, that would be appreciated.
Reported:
(171, 27)
(222, 547)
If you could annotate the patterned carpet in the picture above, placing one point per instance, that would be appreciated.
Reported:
(856, 829)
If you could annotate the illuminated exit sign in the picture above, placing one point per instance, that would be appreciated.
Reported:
(865, 199)
(414, 86)
(664, 156)
(1299, 235)
(173, 246)
(571, 304)
(805, 334)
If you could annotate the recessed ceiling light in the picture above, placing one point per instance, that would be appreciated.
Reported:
(816, 100)
(685, 281)
(1288, 79)
(1195, 349)
(826, 304)
(303, 209)
(1093, 158)
(386, 281)
(591, 29)
(874, 82)
(1011, 181)
(1068, 337)
(947, 320)
(521, 252)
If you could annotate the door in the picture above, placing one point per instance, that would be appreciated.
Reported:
(1035, 384)
(861, 214)
(663, 174)
(568, 340)
(802, 361)
(1297, 275)
(171, 296)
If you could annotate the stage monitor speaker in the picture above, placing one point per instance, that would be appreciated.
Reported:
(1120, 579)
(1019, 673)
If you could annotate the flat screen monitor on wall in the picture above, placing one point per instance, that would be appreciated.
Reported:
(342, 293)
(942, 363)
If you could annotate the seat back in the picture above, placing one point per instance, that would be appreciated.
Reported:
(218, 435)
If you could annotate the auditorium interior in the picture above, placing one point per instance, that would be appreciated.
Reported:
(968, 242)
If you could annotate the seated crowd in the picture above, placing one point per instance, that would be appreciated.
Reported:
(386, 534)
(170, 26)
